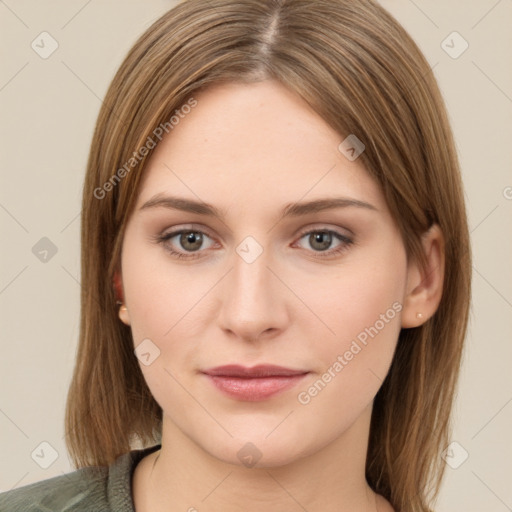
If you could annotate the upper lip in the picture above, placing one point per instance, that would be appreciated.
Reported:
(261, 370)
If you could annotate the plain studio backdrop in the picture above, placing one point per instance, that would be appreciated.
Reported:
(50, 95)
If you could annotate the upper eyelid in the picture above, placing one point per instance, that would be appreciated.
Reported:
(178, 230)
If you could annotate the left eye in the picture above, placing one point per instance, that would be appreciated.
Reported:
(321, 240)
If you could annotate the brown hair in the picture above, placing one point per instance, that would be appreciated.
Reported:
(354, 64)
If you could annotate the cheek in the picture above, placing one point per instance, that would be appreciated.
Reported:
(158, 293)
(362, 305)
(367, 292)
(351, 372)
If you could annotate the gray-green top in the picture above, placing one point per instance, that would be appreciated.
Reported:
(90, 489)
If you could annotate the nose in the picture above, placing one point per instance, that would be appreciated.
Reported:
(254, 300)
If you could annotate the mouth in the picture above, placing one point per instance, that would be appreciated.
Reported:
(253, 384)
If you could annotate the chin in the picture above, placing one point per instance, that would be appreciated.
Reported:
(256, 450)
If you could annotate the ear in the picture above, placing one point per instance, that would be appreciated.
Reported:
(425, 286)
(118, 286)
(124, 315)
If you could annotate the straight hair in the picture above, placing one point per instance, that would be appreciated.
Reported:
(356, 66)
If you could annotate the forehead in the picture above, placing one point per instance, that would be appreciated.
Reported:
(254, 143)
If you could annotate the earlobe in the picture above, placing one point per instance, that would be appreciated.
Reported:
(124, 315)
(425, 286)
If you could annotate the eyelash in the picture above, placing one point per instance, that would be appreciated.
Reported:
(330, 253)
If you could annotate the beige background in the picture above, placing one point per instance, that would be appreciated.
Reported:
(48, 109)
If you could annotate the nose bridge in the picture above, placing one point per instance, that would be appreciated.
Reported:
(252, 303)
(251, 276)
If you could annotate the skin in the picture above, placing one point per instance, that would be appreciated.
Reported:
(250, 150)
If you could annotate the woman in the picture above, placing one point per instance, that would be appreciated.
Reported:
(275, 270)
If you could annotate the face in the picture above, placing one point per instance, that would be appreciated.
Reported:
(263, 279)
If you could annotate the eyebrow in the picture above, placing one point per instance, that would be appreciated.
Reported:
(290, 210)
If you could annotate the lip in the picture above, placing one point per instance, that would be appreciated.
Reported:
(256, 383)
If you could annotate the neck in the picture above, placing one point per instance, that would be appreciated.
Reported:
(183, 476)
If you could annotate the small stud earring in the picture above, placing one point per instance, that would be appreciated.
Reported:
(419, 315)
(123, 311)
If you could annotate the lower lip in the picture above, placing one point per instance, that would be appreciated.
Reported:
(255, 389)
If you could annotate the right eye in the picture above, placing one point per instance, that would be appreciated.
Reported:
(190, 241)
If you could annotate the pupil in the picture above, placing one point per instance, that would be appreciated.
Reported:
(193, 238)
(324, 240)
